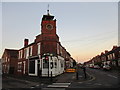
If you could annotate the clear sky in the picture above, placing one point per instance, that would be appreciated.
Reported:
(85, 29)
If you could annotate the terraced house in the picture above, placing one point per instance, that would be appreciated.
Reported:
(9, 61)
(111, 58)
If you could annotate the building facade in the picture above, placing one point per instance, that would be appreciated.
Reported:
(9, 61)
(44, 56)
(111, 58)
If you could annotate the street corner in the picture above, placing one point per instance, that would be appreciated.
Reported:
(91, 77)
(66, 77)
(82, 79)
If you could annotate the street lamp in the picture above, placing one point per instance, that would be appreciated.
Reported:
(51, 65)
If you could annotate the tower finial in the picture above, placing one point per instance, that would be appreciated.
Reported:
(48, 10)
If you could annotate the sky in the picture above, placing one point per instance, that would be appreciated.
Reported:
(85, 29)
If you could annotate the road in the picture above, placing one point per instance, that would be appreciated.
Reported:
(101, 79)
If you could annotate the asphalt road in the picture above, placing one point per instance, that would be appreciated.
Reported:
(9, 82)
(101, 79)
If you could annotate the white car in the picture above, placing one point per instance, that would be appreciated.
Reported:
(96, 67)
(106, 67)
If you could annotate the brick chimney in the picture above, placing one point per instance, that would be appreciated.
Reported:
(106, 51)
(102, 53)
(26, 42)
(114, 47)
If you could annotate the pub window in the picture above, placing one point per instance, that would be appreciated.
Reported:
(61, 64)
(55, 63)
(45, 63)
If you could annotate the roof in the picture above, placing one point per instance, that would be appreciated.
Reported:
(47, 17)
(11, 52)
(27, 45)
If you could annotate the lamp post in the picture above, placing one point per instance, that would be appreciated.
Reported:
(77, 72)
(39, 72)
(51, 65)
(47, 61)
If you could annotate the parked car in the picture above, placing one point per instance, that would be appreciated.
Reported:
(96, 67)
(106, 67)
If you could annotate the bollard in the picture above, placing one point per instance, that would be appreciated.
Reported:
(85, 75)
(51, 76)
(77, 75)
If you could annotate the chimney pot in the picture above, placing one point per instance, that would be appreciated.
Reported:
(26, 42)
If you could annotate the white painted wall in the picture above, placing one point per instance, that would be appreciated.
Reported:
(55, 71)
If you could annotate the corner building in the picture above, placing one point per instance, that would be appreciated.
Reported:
(45, 55)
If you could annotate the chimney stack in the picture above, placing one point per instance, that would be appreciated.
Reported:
(102, 53)
(106, 51)
(26, 42)
(114, 47)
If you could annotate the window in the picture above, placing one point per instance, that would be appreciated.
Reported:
(61, 64)
(58, 51)
(61, 51)
(30, 51)
(21, 54)
(27, 53)
(38, 48)
(113, 56)
(45, 63)
(19, 66)
(6, 59)
(109, 57)
(55, 63)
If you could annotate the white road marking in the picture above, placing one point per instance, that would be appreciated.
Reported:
(112, 76)
(62, 83)
(37, 85)
(97, 84)
(53, 88)
(32, 87)
(64, 86)
(80, 82)
(59, 85)
(80, 76)
(88, 83)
